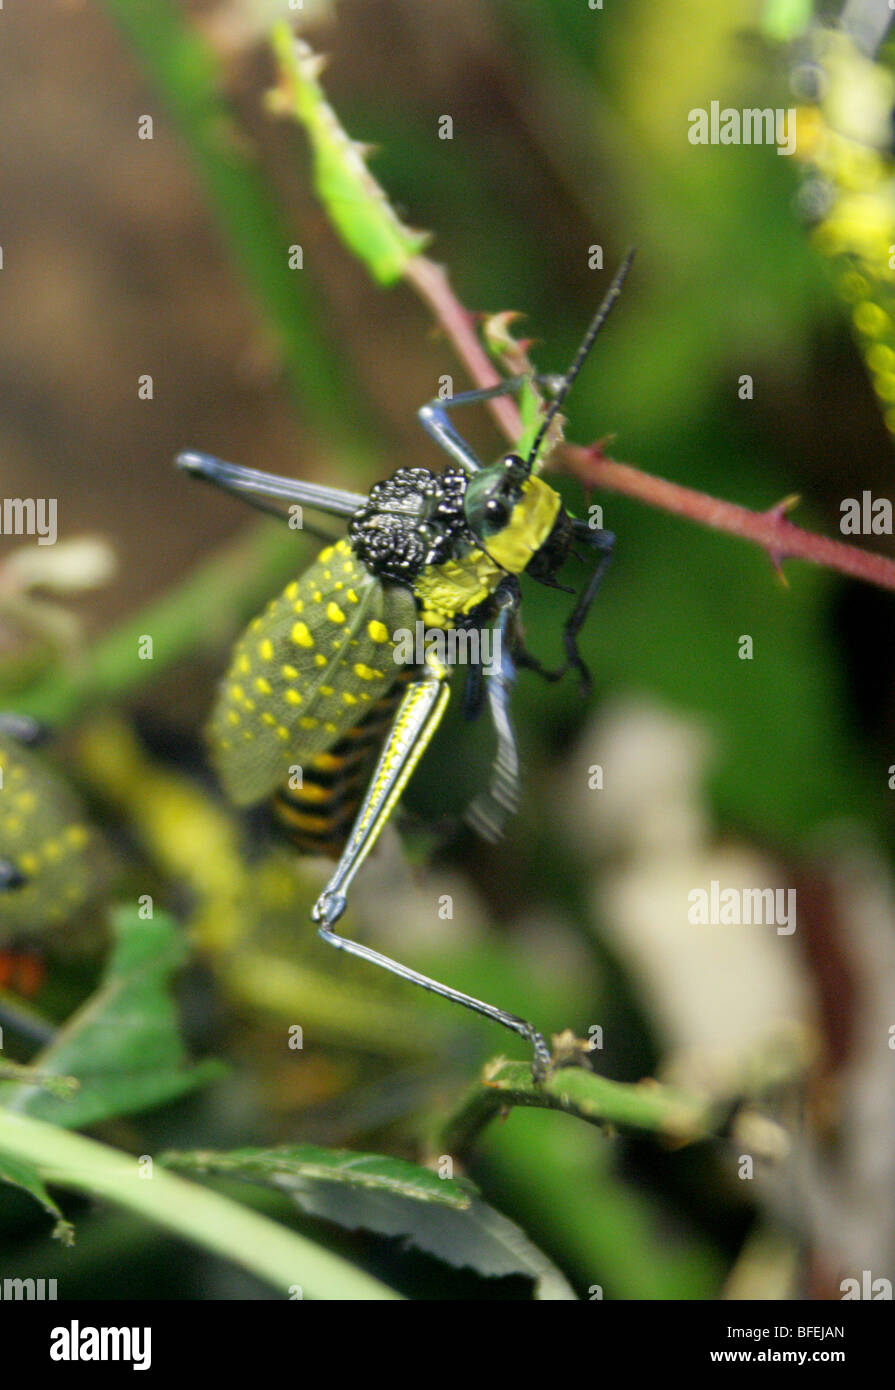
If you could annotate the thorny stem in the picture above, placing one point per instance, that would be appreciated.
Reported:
(673, 1114)
(770, 530)
(432, 285)
(664, 1111)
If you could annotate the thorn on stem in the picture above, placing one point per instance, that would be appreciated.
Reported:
(777, 514)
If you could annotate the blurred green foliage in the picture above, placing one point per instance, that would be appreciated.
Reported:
(570, 130)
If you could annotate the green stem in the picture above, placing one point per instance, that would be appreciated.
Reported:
(185, 71)
(647, 1105)
(279, 1256)
(201, 615)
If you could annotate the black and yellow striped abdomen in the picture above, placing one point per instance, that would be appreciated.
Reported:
(317, 814)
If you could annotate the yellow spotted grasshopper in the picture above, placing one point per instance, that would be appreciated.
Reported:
(46, 843)
(315, 680)
(846, 141)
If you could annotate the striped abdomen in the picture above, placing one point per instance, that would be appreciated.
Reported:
(318, 815)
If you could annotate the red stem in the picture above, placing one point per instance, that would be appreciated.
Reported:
(779, 537)
(431, 283)
(770, 530)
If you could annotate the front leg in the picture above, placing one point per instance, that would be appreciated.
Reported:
(604, 542)
(436, 422)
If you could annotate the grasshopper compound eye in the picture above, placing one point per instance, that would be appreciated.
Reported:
(328, 707)
(515, 468)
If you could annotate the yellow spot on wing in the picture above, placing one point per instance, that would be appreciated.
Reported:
(334, 613)
(377, 630)
(301, 635)
(265, 649)
(263, 686)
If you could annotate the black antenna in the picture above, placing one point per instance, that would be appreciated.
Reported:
(578, 360)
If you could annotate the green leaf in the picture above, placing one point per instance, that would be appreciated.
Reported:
(512, 356)
(444, 1217)
(563, 1181)
(356, 204)
(61, 1086)
(292, 1165)
(25, 1176)
(189, 76)
(123, 1045)
(478, 1238)
(283, 1258)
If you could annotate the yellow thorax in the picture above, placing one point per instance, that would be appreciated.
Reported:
(454, 588)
